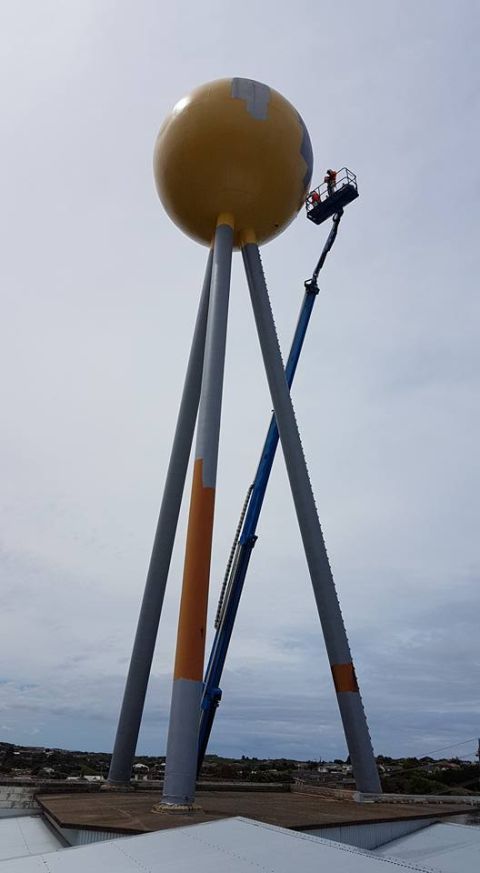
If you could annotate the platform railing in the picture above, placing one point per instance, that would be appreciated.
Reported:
(320, 194)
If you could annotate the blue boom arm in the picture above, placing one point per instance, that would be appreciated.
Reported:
(246, 533)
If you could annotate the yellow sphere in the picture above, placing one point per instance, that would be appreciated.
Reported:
(234, 148)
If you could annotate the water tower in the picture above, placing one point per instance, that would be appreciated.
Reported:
(233, 165)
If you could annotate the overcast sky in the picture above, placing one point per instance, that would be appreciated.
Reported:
(99, 293)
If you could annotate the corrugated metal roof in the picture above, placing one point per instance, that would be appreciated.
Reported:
(26, 835)
(449, 848)
(237, 845)
(370, 835)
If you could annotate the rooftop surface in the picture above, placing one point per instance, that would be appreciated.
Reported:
(451, 848)
(131, 812)
(26, 835)
(236, 845)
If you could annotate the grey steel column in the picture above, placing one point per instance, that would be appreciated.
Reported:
(147, 627)
(182, 745)
(338, 649)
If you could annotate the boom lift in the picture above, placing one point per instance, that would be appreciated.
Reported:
(245, 536)
(328, 199)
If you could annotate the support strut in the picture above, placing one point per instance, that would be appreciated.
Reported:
(182, 743)
(143, 648)
(336, 641)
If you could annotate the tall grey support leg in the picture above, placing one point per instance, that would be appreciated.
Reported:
(338, 649)
(147, 627)
(182, 745)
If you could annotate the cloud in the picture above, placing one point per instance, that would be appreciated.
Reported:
(99, 296)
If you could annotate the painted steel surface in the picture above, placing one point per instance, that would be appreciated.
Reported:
(180, 765)
(147, 627)
(234, 146)
(182, 743)
(338, 649)
(196, 575)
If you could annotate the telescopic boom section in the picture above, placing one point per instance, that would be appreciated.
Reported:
(244, 544)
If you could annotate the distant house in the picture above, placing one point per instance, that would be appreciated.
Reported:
(140, 772)
(441, 766)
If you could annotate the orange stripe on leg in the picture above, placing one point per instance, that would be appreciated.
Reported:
(193, 607)
(344, 677)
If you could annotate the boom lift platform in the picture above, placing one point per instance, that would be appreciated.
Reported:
(245, 536)
(321, 203)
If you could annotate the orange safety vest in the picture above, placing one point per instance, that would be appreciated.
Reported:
(331, 177)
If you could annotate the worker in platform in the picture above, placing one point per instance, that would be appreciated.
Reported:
(331, 180)
(315, 198)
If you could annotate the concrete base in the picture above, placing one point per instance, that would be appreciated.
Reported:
(176, 808)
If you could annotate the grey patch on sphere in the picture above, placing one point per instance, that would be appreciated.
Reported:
(306, 152)
(255, 94)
